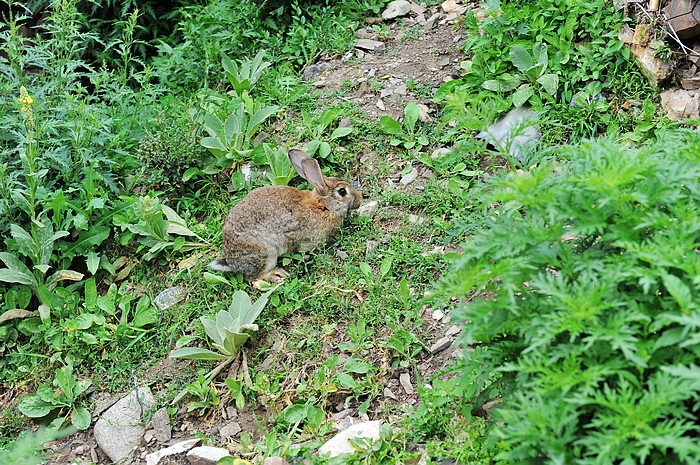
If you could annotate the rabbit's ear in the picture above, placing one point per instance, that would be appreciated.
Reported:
(308, 169)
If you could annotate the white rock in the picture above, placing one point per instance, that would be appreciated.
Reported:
(161, 425)
(368, 209)
(168, 297)
(417, 9)
(339, 443)
(179, 448)
(230, 430)
(410, 177)
(388, 394)
(438, 315)
(453, 331)
(448, 6)
(516, 130)
(405, 380)
(119, 430)
(396, 8)
(275, 461)
(206, 455)
(380, 105)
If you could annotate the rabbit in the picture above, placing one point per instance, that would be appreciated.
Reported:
(273, 220)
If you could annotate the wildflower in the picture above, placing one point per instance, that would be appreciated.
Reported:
(26, 101)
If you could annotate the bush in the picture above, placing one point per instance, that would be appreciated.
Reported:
(583, 284)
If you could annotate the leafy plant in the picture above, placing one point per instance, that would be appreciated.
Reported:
(228, 332)
(406, 136)
(244, 76)
(533, 75)
(584, 301)
(281, 170)
(156, 226)
(315, 129)
(204, 393)
(63, 401)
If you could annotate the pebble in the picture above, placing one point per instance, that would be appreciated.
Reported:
(381, 105)
(341, 254)
(230, 430)
(370, 45)
(396, 9)
(389, 395)
(275, 461)
(206, 455)
(410, 177)
(440, 345)
(341, 415)
(453, 331)
(405, 380)
(168, 297)
(161, 425)
(368, 209)
(438, 315)
(339, 444)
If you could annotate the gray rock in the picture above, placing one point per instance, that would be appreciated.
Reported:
(314, 70)
(339, 443)
(341, 415)
(345, 123)
(161, 425)
(206, 455)
(438, 315)
(410, 177)
(230, 430)
(437, 153)
(405, 380)
(275, 461)
(417, 9)
(119, 430)
(448, 6)
(341, 254)
(396, 8)
(370, 45)
(388, 394)
(453, 331)
(440, 345)
(371, 247)
(516, 130)
(380, 105)
(368, 209)
(430, 22)
(168, 298)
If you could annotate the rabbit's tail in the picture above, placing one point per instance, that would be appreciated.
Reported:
(220, 264)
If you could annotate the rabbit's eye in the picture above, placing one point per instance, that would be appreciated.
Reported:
(342, 192)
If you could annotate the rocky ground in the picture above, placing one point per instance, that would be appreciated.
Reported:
(400, 59)
(403, 59)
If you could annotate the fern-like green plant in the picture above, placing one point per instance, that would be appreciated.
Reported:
(584, 274)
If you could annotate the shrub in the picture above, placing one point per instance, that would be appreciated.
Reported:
(583, 277)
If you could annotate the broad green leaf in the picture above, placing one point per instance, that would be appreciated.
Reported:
(34, 407)
(83, 321)
(258, 118)
(145, 313)
(235, 339)
(340, 132)
(521, 58)
(355, 365)
(550, 83)
(191, 173)
(366, 269)
(211, 329)
(252, 314)
(294, 413)
(25, 244)
(240, 303)
(522, 95)
(385, 266)
(347, 381)
(16, 272)
(80, 418)
(679, 291)
(87, 240)
(92, 262)
(211, 278)
(196, 353)
(65, 381)
(213, 126)
(390, 125)
(411, 114)
(312, 147)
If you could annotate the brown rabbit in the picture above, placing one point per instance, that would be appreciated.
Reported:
(274, 220)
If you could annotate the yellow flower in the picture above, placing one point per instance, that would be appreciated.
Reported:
(26, 100)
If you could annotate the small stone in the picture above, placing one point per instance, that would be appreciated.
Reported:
(448, 6)
(339, 444)
(206, 455)
(453, 331)
(441, 344)
(380, 105)
(320, 83)
(388, 394)
(438, 315)
(424, 112)
(341, 254)
(437, 153)
(417, 9)
(345, 123)
(368, 209)
(179, 448)
(401, 89)
(444, 62)
(80, 450)
(413, 219)
(161, 425)
(410, 177)
(370, 45)
(405, 380)
(430, 22)
(341, 415)
(314, 70)
(168, 297)
(275, 461)
(230, 430)
(396, 9)
(681, 103)
(386, 92)
(371, 247)
(346, 423)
